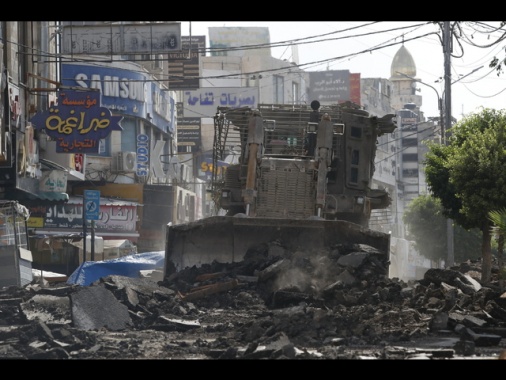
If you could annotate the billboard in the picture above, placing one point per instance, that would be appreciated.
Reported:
(188, 134)
(184, 70)
(233, 41)
(329, 87)
(355, 88)
(148, 38)
(204, 102)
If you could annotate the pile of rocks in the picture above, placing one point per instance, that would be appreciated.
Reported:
(273, 305)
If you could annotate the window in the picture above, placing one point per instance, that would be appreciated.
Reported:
(219, 50)
(355, 157)
(23, 41)
(410, 173)
(354, 175)
(410, 157)
(409, 142)
(355, 161)
(295, 93)
(102, 146)
(279, 90)
(356, 132)
(128, 135)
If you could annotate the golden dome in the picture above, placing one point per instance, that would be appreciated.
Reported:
(403, 62)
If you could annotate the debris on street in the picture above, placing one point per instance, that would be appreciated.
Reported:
(275, 304)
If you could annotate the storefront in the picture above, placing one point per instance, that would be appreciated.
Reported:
(54, 230)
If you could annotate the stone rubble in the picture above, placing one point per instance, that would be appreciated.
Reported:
(274, 304)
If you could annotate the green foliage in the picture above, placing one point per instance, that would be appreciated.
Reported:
(466, 243)
(498, 219)
(468, 175)
(438, 178)
(427, 227)
(478, 171)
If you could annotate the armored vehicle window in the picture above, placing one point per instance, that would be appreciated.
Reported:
(356, 132)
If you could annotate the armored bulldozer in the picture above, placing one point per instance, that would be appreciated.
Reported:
(301, 176)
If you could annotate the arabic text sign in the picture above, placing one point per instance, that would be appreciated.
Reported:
(205, 101)
(112, 218)
(53, 180)
(184, 65)
(78, 122)
(331, 86)
(189, 133)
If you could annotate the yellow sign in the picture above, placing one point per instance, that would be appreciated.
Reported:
(35, 222)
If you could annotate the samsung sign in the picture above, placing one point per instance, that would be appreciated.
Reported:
(126, 92)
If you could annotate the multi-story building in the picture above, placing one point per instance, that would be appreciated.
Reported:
(413, 128)
(60, 77)
(376, 98)
(153, 170)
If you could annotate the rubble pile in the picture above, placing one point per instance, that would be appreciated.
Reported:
(275, 304)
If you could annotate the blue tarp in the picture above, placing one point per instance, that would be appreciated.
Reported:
(129, 266)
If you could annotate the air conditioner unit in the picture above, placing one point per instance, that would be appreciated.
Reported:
(126, 162)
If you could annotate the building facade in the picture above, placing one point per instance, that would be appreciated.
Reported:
(154, 169)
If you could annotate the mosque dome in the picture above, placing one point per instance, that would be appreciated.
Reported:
(403, 62)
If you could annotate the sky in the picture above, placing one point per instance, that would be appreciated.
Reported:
(368, 48)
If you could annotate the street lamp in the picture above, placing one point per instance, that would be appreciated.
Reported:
(439, 103)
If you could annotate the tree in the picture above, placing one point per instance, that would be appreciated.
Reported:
(498, 218)
(425, 219)
(469, 175)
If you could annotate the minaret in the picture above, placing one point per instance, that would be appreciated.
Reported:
(403, 68)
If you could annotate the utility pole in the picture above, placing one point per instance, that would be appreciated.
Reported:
(447, 41)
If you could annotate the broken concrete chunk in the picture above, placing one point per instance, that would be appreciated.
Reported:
(95, 307)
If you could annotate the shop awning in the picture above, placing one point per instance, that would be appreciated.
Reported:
(45, 197)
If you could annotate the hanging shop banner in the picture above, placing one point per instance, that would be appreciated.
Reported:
(77, 122)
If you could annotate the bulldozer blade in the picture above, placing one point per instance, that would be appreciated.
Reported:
(226, 239)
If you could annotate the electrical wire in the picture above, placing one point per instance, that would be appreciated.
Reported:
(259, 46)
(461, 31)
